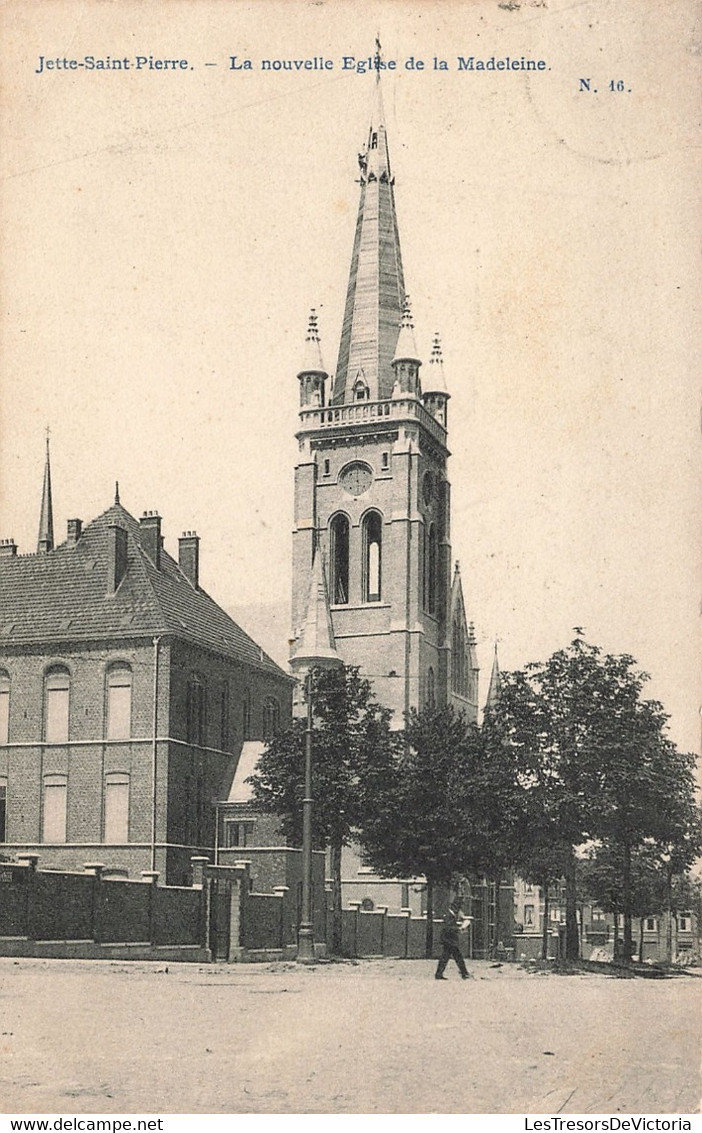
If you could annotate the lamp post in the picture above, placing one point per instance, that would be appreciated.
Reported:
(316, 650)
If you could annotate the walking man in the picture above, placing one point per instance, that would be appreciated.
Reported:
(449, 942)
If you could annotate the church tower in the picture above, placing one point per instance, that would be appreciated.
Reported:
(371, 481)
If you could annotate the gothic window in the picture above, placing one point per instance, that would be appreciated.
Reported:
(360, 390)
(56, 699)
(271, 717)
(372, 556)
(195, 712)
(4, 707)
(116, 808)
(431, 688)
(55, 808)
(339, 536)
(459, 673)
(431, 570)
(119, 702)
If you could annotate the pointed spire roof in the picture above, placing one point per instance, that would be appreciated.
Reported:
(45, 541)
(312, 362)
(376, 288)
(494, 687)
(316, 645)
(406, 348)
(434, 380)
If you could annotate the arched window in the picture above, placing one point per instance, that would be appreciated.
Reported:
(431, 570)
(360, 390)
(118, 725)
(431, 688)
(55, 807)
(4, 706)
(195, 712)
(339, 539)
(116, 808)
(372, 556)
(459, 677)
(271, 717)
(56, 701)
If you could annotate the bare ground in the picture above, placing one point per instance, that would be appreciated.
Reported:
(367, 1037)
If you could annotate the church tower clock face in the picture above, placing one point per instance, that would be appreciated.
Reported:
(356, 478)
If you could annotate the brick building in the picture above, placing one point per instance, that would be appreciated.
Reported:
(127, 696)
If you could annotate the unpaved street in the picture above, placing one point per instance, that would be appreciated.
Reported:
(367, 1037)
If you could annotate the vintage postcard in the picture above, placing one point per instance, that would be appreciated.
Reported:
(405, 294)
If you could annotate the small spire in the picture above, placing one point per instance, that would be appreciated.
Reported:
(406, 349)
(316, 645)
(312, 360)
(116, 491)
(435, 382)
(494, 688)
(45, 542)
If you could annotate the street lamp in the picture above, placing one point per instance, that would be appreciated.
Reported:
(316, 650)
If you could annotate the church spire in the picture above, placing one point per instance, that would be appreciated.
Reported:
(316, 645)
(376, 288)
(46, 519)
(494, 687)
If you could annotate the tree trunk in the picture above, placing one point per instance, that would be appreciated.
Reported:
(335, 867)
(544, 927)
(572, 948)
(429, 940)
(626, 902)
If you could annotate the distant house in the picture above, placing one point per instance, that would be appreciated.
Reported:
(127, 697)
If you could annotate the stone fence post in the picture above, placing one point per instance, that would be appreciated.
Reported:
(30, 862)
(152, 876)
(96, 869)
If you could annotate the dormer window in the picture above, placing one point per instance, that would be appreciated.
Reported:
(360, 390)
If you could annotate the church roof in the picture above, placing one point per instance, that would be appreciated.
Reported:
(376, 288)
(63, 596)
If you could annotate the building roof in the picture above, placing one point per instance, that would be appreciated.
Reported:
(63, 595)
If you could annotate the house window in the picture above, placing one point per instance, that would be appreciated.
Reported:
(57, 689)
(385, 461)
(55, 806)
(684, 923)
(650, 924)
(195, 708)
(4, 706)
(119, 702)
(528, 916)
(3, 810)
(271, 717)
(327, 467)
(431, 688)
(224, 718)
(246, 715)
(238, 834)
(372, 556)
(116, 808)
(339, 538)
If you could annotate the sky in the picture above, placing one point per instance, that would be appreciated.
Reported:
(167, 231)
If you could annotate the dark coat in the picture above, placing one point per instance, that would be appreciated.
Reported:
(449, 931)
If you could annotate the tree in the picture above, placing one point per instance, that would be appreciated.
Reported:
(351, 739)
(594, 761)
(428, 814)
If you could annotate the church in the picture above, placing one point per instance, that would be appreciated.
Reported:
(371, 483)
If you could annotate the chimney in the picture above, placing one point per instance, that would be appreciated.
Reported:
(75, 527)
(8, 548)
(189, 556)
(150, 524)
(116, 556)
